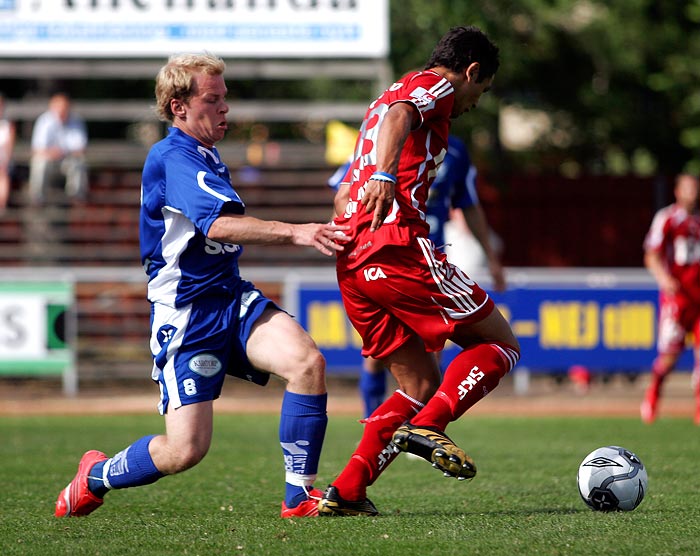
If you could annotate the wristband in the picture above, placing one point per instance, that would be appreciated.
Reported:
(383, 176)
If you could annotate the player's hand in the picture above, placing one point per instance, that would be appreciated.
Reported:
(326, 238)
(378, 198)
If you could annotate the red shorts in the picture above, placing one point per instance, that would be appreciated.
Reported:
(404, 291)
(678, 316)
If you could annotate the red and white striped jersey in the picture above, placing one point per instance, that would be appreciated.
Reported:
(675, 234)
(426, 146)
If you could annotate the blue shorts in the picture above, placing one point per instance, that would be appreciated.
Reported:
(196, 346)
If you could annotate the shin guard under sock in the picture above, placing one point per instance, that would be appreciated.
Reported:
(472, 374)
(303, 422)
(131, 467)
(373, 454)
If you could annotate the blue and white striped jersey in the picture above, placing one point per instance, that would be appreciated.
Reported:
(185, 186)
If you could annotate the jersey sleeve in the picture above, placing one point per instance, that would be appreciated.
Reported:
(430, 93)
(656, 236)
(197, 191)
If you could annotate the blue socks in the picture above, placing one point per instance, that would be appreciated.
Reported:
(302, 429)
(372, 389)
(131, 467)
(96, 484)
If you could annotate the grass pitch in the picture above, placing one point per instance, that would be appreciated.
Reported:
(524, 499)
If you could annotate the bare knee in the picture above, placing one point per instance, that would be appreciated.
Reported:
(279, 345)
(420, 388)
(419, 382)
(306, 374)
(416, 371)
(171, 458)
(515, 344)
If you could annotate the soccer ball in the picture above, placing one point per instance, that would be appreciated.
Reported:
(612, 479)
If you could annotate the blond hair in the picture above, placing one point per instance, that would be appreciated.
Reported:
(175, 80)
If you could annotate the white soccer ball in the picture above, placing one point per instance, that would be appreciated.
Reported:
(612, 479)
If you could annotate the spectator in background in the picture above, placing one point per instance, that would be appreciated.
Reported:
(672, 256)
(7, 145)
(452, 196)
(59, 140)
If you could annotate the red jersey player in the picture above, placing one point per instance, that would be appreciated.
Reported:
(672, 255)
(400, 292)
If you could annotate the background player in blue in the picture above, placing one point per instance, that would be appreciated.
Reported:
(206, 320)
(453, 188)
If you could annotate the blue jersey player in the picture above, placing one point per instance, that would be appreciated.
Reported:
(454, 189)
(206, 320)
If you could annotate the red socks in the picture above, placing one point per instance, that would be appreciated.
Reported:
(471, 375)
(373, 454)
(659, 372)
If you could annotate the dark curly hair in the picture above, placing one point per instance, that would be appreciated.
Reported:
(462, 46)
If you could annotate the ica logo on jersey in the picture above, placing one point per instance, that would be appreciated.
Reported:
(373, 273)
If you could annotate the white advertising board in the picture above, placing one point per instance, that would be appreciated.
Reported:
(229, 28)
(37, 330)
(22, 326)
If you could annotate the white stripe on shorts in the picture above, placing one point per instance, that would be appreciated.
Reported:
(179, 318)
(451, 281)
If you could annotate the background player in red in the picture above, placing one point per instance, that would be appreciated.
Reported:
(672, 255)
(400, 292)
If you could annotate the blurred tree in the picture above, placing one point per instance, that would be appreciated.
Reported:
(585, 86)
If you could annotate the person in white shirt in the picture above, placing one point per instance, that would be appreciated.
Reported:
(7, 143)
(59, 140)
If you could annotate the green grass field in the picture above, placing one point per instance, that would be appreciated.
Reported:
(523, 501)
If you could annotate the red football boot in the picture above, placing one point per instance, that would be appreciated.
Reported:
(307, 508)
(76, 499)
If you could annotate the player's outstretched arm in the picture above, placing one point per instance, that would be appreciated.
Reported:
(244, 229)
(326, 238)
